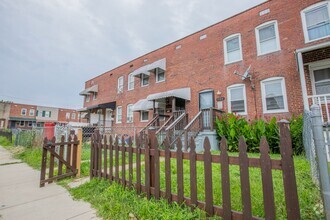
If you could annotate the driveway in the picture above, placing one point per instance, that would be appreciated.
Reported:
(21, 197)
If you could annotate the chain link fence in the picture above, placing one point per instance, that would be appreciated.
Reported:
(34, 137)
(310, 146)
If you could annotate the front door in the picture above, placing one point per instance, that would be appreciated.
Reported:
(206, 101)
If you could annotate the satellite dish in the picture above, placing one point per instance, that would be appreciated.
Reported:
(246, 74)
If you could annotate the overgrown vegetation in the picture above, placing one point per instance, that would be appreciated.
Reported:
(232, 127)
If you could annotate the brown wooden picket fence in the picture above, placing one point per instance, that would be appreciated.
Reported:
(106, 153)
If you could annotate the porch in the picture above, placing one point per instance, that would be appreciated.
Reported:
(314, 70)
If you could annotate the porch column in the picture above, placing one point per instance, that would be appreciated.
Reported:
(173, 104)
(154, 107)
(302, 79)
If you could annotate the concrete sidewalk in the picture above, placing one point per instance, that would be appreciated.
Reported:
(21, 197)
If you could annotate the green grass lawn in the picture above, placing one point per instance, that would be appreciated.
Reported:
(308, 193)
(117, 203)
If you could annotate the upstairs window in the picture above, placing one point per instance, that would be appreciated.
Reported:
(119, 115)
(316, 21)
(129, 113)
(268, 39)
(120, 84)
(23, 111)
(31, 112)
(46, 114)
(144, 80)
(73, 116)
(88, 98)
(130, 85)
(67, 115)
(160, 75)
(94, 95)
(237, 99)
(232, 48)
(274, 95)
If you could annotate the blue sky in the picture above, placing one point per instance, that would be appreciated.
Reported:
(49, 48)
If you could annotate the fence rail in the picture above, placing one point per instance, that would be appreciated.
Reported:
(103, 166)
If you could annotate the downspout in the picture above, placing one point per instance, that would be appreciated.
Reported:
(302, 79)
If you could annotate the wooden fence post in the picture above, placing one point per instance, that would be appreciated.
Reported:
(152, 141)
(79, 151)
(289, 178)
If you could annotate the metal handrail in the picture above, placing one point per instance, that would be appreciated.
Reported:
(193, 120)
(148, 125)
(165, 124)
(176, 121)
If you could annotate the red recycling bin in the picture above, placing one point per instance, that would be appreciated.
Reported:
(49, 128)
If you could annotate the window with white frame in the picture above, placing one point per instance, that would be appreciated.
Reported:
(119, 115)
(232, 48)
(160, 75)
(129, 113)
(320, 75)
(73, 116)
(267, 37)
(237, 99)
(144, 80)
(23, 111)
(88, 98)
(67, 115)
(30, 124)
(316, 21)
(47, 114)
(130, 81)
(31, 112)
(94, 95)
(22, 123)
(120, 84)
(144, 116)
(274, 97)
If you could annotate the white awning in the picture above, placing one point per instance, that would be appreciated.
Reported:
(92, 89)
(144, 105)
(82, 110)
(161, 64)
(141, 70)
(183, 93)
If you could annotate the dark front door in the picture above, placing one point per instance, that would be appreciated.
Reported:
(206, 101)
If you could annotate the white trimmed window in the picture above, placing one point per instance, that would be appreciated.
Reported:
(30, 124)
(23, 111)
(22, 123)
(119, 115)
(160, 75)
(316, 21)
(88, 98)
(267, 37)
(237, 99)
(73, 116)
(144, 116)
(31, 112)
(320, 76)
(94, 95)
(129, 113)
(232, 48)
(67, 115)
(274, 99)
(120, 87)
(144, 80)
(130, 81)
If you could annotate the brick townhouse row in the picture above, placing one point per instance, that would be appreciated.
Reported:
(24, 116)
(270, 60)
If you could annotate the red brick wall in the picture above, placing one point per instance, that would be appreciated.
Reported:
(199, 64)
(15, 110)
(62, 115)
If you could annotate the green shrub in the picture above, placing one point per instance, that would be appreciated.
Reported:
(232, 127)
(5, 142)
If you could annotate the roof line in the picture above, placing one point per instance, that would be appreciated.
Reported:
(219, 22)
